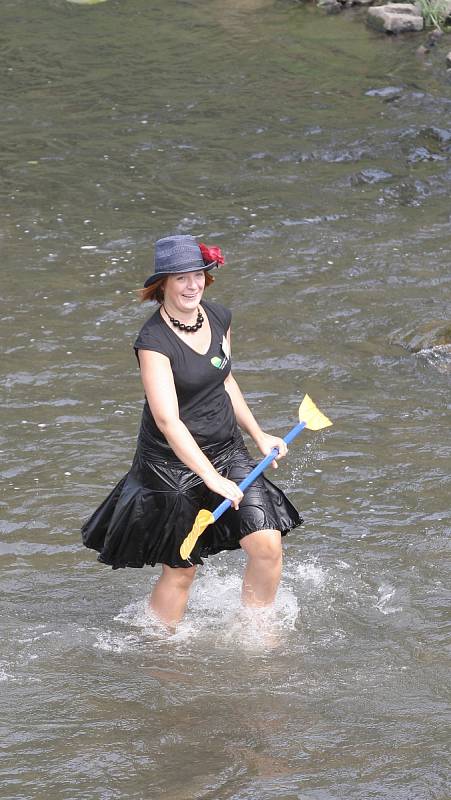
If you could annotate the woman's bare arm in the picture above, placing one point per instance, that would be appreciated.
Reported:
(246, 420)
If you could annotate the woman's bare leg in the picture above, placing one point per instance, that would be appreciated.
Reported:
(263, 569)
(170, 594)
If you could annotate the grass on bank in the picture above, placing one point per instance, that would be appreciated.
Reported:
(435, 13)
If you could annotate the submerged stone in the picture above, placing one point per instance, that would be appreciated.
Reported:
(330, 6)
(423, 154)
(438, 357)
(387, 92)
(372, 176)
(435, 333)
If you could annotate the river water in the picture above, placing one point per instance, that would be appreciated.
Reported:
(316, 153)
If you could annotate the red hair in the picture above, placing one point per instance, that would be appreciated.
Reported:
(155, 292)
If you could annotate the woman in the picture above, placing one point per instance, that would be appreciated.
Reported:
(190, 453)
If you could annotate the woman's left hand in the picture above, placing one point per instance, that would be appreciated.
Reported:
(266, 443)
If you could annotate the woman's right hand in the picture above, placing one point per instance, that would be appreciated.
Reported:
(228, 489)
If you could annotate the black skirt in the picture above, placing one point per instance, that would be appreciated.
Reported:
(151, 510)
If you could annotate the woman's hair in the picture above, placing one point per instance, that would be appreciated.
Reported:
(155, 292)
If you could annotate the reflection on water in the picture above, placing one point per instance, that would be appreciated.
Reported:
(317, 154)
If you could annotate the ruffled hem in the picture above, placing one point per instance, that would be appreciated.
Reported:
(137, 525)
(134, 528)
(196, 559)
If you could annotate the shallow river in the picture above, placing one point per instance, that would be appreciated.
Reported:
(316, 153)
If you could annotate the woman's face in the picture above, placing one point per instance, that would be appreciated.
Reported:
(183, 292)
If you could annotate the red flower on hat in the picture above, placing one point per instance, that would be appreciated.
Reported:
(210, 254)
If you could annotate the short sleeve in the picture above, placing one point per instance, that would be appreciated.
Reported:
(148, 343)
(150, 338)
(222, 314)
(228, 318)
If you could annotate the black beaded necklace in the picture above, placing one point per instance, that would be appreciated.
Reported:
(188, 328)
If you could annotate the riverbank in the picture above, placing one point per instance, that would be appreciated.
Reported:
(432, 17)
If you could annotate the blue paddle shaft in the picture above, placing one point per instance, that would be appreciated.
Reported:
(265, 462)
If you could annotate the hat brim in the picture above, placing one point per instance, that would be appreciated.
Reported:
(158, 275)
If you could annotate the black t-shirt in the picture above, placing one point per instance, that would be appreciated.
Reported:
(204, 405)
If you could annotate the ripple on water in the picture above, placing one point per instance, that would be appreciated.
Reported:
(5, 674)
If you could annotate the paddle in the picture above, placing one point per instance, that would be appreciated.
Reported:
(309, 417)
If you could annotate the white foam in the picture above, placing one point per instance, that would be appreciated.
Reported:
(215, 595)
(215, 612)
(313, 574)
(261, 629)
(138, 615)
(114, 643)
(386, 594)
(4, 675)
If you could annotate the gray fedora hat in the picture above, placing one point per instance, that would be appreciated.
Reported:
(180, 253)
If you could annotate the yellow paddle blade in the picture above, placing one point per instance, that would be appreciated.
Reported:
(202, 521)
(314, 419)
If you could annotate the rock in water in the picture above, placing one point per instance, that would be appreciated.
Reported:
(330, 6)
(438, 357)
(431, 342)
(396, 18)
(424, 337)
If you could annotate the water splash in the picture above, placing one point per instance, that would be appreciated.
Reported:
(138, 615)
(386, 594)
(215, 614)
(312, 574)
(4, 675)
(259, 630)
(438, 357)
(116, 643)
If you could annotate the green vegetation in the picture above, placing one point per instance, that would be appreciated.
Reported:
(435, 12)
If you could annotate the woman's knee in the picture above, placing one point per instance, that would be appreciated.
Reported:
(265, 545)
(180, 577)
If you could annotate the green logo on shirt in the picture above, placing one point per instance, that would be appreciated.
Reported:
(219, 363)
